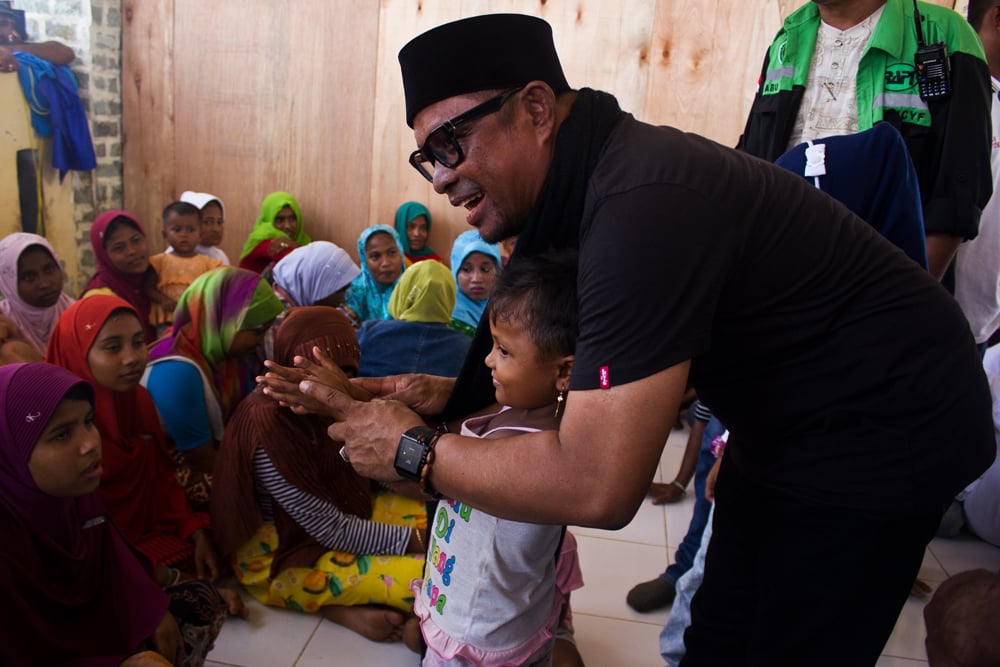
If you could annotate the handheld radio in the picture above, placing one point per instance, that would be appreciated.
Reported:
(932, 65)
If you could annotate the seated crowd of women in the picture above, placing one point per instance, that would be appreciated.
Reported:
(137, 469)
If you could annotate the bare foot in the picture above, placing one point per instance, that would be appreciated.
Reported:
(374, 623)
(234, 603)
(565, 654)
(411, 634)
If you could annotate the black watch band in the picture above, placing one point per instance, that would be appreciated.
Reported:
(411, 452)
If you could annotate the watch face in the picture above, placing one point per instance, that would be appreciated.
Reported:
(408, 455)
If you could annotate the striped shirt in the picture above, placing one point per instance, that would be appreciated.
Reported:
(322, 520)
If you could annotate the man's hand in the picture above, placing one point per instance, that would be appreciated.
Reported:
(713, 475)
(424, 394)
(8, 63)
(665, 494)
(369, 431)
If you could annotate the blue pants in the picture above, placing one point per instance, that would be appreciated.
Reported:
(684, 557)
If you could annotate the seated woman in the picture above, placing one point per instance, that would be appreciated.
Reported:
(303, 530)
(123, 269)
(203, 368)
(475, 265)
(276, 233)
(413, 225)
(100, 339)
(74, 591)
(417, 338)
(31, 282)
(315, 275)
(381, 265)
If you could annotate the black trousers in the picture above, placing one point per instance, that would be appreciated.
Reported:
(789, 582)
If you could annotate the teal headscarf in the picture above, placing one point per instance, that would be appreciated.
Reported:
(406, 213)
(264, 229)
(368, 298)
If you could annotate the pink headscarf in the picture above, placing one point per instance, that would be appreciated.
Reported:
(35, 324)
(72, 588)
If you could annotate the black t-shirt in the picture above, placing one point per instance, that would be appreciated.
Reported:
(845, 373)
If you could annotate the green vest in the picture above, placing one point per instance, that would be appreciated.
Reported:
(886, 76)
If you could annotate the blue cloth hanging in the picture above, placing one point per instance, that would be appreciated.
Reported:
(57, 111)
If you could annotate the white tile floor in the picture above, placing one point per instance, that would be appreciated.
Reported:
(608, 632)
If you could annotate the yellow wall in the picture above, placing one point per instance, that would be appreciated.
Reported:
(57, 197)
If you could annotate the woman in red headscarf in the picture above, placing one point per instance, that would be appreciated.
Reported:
(101, 339)
(123, 269)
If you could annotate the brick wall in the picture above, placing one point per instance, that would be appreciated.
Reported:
(93, 29)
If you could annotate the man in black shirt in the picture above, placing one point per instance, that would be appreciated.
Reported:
(847, 376)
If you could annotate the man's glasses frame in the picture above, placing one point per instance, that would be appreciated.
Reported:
(442, 145)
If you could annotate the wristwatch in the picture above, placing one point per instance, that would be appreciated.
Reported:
(411, 452)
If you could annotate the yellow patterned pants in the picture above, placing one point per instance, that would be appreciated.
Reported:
(337, 578)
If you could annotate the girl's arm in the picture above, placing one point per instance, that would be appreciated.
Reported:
(326, 523)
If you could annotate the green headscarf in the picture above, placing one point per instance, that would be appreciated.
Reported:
(424, 293)
(264, 229)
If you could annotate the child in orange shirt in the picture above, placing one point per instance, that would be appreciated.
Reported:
(179, 268)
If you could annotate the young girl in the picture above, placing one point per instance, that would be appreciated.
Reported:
(74, 591)
(475, 265)
(490, 593)
(31, 282)
(122, 255)
(199, 373)
(381, 266)
(303, 530)
(276, 233)
(100, 339)
(179, 268)
(413, 225)
(212, 223)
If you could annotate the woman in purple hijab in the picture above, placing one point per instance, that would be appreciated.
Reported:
(74, 591)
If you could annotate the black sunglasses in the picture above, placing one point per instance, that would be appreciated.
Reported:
(442, 145)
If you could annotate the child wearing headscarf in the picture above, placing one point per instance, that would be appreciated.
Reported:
(138, 485)
(75, 591)
(382, 264)
(413, 225)
(303, 529)
(212, 221)
(202, 369)
(475, 265)
(123, 269)
(276, 233)
(315, 275)
(416, 339)
(31, 283)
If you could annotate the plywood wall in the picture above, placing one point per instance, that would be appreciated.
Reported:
(243, 98)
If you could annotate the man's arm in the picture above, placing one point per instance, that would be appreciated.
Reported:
(941, 249)
(55, 52)
(593, 472)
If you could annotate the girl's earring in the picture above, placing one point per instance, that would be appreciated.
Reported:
(560, 401)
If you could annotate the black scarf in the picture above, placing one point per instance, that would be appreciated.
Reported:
(554, 223)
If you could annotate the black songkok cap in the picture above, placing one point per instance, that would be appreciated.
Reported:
(478, 53)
